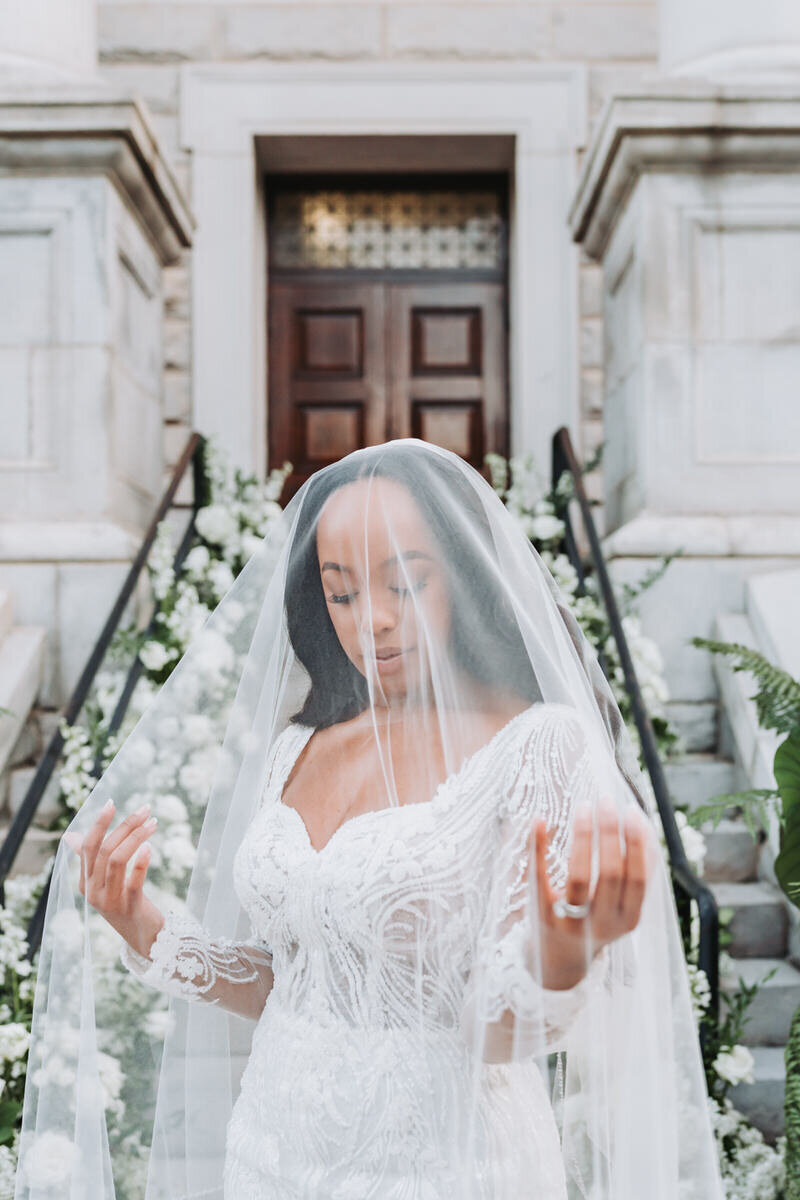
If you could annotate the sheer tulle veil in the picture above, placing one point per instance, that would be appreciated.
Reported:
(397, 613)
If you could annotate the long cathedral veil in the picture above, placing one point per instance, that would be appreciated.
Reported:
(356, 747)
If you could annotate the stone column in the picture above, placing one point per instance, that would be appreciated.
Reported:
(90, 213)
(730, 39)
(690, 200)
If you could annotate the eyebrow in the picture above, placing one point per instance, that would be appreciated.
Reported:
(333, 566)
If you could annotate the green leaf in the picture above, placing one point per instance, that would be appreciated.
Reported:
(778, 697)
(9, 1115)
(787, 776)
(752, 802)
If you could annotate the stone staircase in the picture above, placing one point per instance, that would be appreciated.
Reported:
(759, 927)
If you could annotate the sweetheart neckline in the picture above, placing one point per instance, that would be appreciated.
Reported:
(375, 812)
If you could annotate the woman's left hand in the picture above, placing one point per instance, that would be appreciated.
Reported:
(616, 904)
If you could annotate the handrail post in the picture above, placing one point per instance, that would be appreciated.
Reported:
(563, 458)
(24, 816)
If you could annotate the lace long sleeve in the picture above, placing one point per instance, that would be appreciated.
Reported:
(548, 774)
(185, 961)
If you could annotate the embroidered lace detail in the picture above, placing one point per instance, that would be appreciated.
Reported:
(381, 943)
(184, 961)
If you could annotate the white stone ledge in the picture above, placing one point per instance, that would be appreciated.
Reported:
(65, 541)
(92, 129)
(680, 125)
(756, 536)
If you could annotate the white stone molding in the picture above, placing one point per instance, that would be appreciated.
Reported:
(98, 130)
(680, 125)
(227, 108)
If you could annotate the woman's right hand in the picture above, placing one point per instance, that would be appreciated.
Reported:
(104, 860)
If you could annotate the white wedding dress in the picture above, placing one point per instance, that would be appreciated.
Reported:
(360, 1072)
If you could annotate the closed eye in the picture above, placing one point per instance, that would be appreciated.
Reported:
(346, 597)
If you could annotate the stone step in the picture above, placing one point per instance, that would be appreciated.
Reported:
(759, 925)
(731, 851)
(762, 1101)
(695, 722)
(696, 778)
(21, 664)
(769, 1017)
(38, 846)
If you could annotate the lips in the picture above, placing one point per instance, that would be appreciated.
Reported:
(389, 652)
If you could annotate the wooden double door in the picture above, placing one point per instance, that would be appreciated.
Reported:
(359, 362)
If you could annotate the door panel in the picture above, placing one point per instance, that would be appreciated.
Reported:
(327, 380)
(447, 372)
(356, 364)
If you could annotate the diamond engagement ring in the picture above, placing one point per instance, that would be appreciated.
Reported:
(563, 908)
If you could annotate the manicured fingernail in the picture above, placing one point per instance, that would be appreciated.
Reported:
(151, 824)
(109, 804)
(140, 812)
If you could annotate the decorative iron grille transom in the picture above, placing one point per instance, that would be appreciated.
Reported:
(387, 229)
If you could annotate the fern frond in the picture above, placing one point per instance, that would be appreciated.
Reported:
(753, 803)
(778, 697)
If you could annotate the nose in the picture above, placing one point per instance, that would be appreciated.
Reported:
(378, 615)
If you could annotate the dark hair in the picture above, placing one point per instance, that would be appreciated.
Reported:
(338, 690)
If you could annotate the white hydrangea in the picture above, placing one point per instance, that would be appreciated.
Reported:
(48, 1162)
(250, 544)
(217, 524)
(197, 561)
(169, 809)
(693, 842)
(220, 576)
(700, 991)
(545, 528)
(155, 655)
(15, 1038)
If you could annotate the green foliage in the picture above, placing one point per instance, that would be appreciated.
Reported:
(727, 1030)
(792, 1110)
(777, 703)
(778, 697)
(753, 804)
(787, 776)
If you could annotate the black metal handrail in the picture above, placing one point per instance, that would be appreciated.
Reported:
(26, 812)
(686, 884)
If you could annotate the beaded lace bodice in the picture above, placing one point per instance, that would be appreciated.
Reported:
(360, 973)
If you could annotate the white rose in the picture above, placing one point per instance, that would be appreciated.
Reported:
(216, 524)
(735, 1065)
(49, 1161)
(155, 656)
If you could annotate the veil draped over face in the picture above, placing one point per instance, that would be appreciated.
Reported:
(356, 993)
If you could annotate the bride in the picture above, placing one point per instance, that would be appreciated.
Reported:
(427, 874)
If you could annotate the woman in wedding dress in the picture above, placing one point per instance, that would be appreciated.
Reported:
(427, 864)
